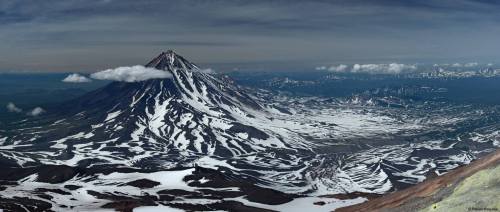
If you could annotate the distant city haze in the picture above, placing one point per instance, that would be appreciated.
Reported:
(257, 35)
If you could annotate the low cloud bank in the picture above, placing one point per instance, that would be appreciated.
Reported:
(131, 74)
(36, 111)
(467, 65)
(339, 68)
(76, 78)
(463, 65)
(127, 74)
(11, 107)
(391, 68)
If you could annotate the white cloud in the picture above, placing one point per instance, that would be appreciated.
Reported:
(334, 68)
(11, 107)
(76, 78)
(460, 65)
(131, 74)
(207, 71)
(339, 68)
(474, 64)
(36, 111)
(321, 68)
(392, 68)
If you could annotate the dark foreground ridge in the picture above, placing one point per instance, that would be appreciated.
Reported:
(432, 191)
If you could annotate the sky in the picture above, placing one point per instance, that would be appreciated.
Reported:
(89, 35)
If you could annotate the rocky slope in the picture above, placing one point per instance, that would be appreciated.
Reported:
(470, 187)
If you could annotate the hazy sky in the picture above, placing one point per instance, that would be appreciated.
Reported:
(86, 35)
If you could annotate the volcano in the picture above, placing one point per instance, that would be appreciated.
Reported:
(192, 113)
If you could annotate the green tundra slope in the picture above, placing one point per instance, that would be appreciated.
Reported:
(480, 191)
